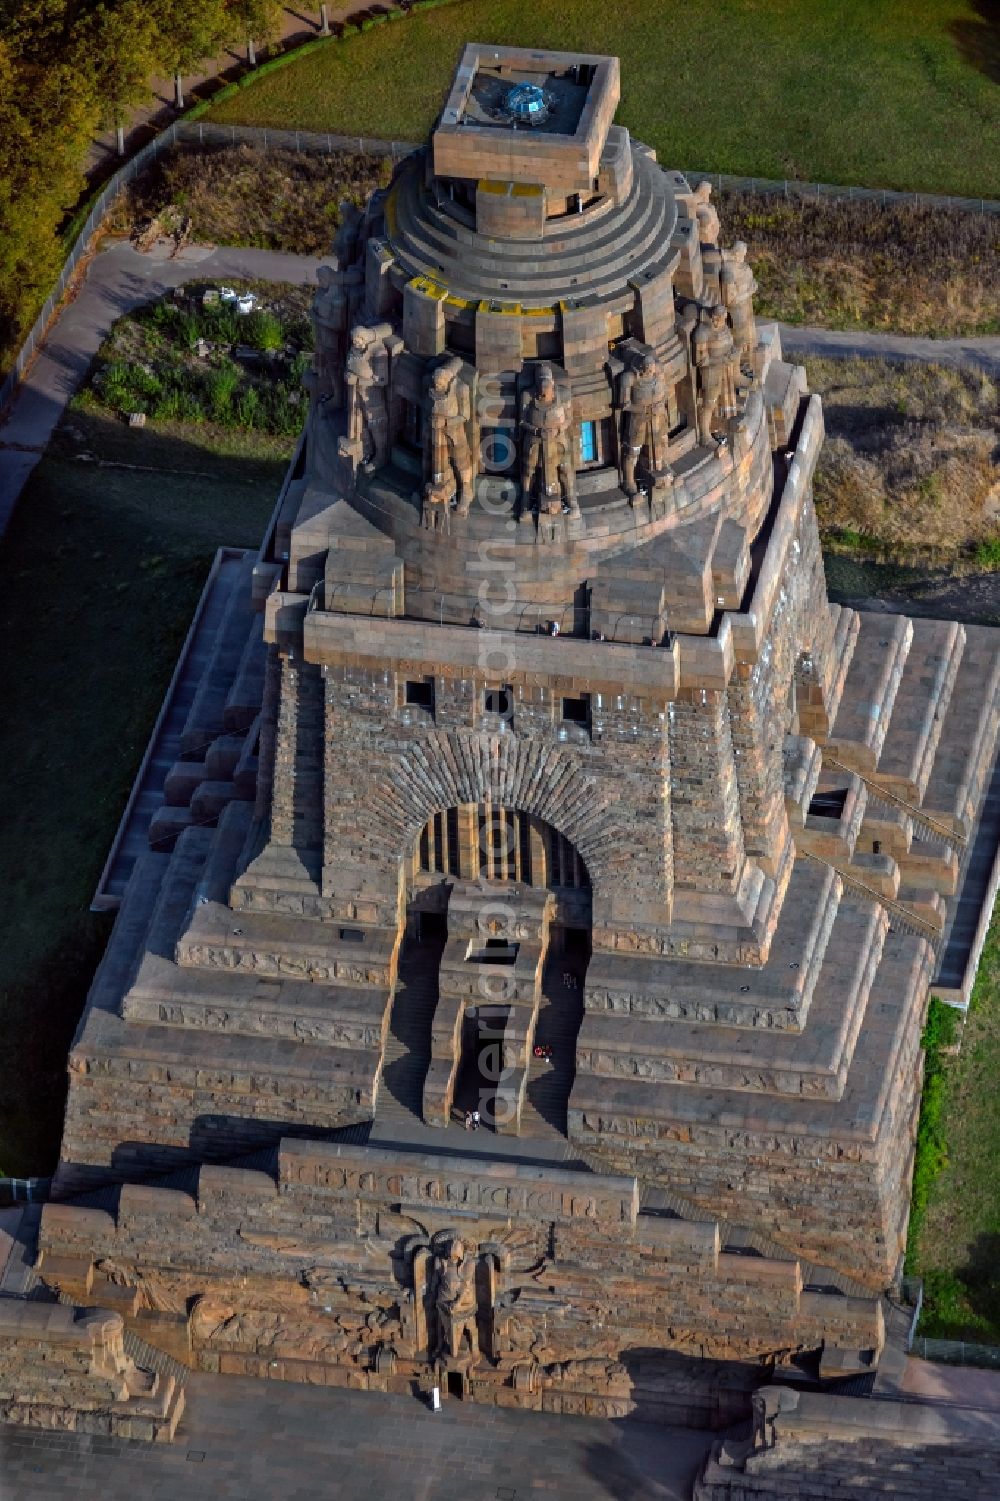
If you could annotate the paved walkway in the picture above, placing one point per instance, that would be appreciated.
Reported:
(117, 280)
(298, 24)
(982, 353)
(257, 1441)
(957, 1386)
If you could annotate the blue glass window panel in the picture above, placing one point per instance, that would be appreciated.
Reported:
(588, 442)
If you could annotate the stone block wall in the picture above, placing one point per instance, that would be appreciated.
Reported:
(321, 1270)
(66, 1368)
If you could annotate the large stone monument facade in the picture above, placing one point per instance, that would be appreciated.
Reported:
(533, 774)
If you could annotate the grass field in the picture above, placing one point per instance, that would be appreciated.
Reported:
(957, 1247)
(99, 574)
(893, 94)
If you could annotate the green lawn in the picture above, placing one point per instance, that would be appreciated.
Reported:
(956, 1247)
(99, 574)
(891, 93)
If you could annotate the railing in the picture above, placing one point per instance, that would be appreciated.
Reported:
(792, 188)
(955, 1352)
(900, 915)
(24, 1190)
(885, 795)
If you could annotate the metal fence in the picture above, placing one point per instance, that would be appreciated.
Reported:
(200, 133)
(955, 1352)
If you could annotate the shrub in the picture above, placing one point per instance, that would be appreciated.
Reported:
(850, 263)
(987, 554)
(263, 330)
(248, 408)
(221, 385)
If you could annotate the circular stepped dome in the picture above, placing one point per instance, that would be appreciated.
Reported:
(587, 255)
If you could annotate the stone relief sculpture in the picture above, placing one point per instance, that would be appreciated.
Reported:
(548, 476)
(737, 286)
(447, 416)
(644, 425)
(453, 1285)
(715, 363)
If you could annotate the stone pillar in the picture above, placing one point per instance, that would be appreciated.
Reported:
(758, 735)
(705, 805)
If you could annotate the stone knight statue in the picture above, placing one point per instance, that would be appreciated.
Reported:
(547, 448)
(644, 427)
(717, 368)
(737, 286)
(367, 407)
(453, 1288)
(709, 230)
(447, 414)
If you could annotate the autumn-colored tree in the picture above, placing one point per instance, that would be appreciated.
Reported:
(120, 46)
(255, 23)
(48, 114)
(188, 32)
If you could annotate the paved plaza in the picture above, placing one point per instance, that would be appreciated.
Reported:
(276, 1441)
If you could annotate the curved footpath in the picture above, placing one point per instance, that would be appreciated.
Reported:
(121, 278)
(117, 280)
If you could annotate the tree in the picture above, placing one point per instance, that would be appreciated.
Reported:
(187, 33)
(48, 115)
(257, 23)
(120, 47)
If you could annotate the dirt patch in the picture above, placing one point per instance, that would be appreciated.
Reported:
(854, 263)
(242, 195)
(909, 472)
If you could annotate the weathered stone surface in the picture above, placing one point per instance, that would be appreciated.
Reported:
(545, 781)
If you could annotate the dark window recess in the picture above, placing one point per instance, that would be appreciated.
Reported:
(497, 701)
(352, 935)
(577, 710)
(828, 804)
(454, 862)
(421, 694)
(497, 951)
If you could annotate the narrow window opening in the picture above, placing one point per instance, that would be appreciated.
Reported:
(588, 442)
(421, 694)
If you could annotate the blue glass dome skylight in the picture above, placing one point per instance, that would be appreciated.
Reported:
(528, 104)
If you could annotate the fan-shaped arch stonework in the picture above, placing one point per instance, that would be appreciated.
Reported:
(615, 818)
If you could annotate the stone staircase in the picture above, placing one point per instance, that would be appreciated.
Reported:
(549, 1084)
(408, 1041)
(917, 723)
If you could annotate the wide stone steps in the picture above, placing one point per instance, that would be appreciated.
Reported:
(858, 733)
(965, 909)
(244, 698)
(206, 717)
(407, 1051)
(921, 707)
(964, 754)
(429, 241)
(559, 1017)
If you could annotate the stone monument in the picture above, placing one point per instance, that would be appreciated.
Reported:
(533, 784)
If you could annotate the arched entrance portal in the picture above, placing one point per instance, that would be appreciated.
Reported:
(481, 841)
(495, 1028)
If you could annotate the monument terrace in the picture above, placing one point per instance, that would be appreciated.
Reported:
(532, 773)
